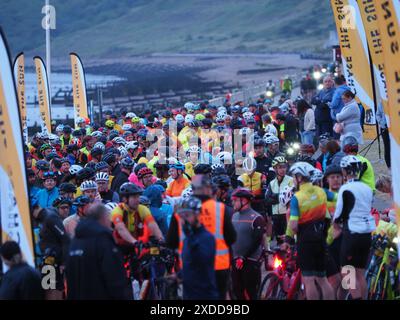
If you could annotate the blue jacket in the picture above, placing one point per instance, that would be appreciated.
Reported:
(45, 198)
(198, 273)
(321, 100)
(161, 212)
(337, 104)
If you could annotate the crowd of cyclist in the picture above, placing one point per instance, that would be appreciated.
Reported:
(97, 191)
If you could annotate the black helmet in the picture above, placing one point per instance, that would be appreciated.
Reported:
(128, 189)
(127, 163)
(67, 129)
(43, 165)
(206, 122)
(243, 193)
(67, 187)
(162, 183)
(86, 173)
(161, 166)
(202, 168)
(222, 181)
(109, 158)
(192, 204)
(77, 133)
(72, 147)
(82, 201)
(101, 166)
(259, 142)
(96, 152)
(60, 201)
(333, 169)
(144, 201)
(350, 141)
(218, 171)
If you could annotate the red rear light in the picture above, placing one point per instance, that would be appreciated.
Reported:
(277, 262)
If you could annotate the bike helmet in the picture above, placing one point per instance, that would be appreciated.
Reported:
(45, 147)
(88, 185)
(307, 148)
(248, 115)
(101, 166)
(302, 168)
(143, 200)
(129, 189)
(110, 206)
(188, 192)
(220, 117)
(259, 143)
(202, 168)
(110, 124)
(119, 140)
(95, 152)
(133, 145)
(224, 157)
(178, 166)
(49, 175)
(109, 158)
(180, 118)
(242, 193)
(333, 169)
(249, 164)
(190, 204)
(194, 149)
(271, 139)
(99, 145)
(97, 134)
(60, 201)
(86, 173)
(67, 129)
(221, 181)
(67, 187)
(74, 169)
(279, 160)
(350, 145)
(351, 164)
(122, 151)
(60, 128)
(82, 201)
(286, 195)
(127, 163)
(143, 172)
(102, 176)
(189, 118)
(43, 165)
(317, 176)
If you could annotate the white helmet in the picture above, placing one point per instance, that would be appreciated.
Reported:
(286, 195)
(248, 115)
(80, 120)
(88, 185)
(189, 118)
(54, 138)
(271, 139)
(194, 149)
(99, 145)
(249, 164)
(74, 169)
(180, 118)
(126, 127)
(119, 140)
(132, 145)
(222, 110)
(43, 135)
(316, 176)
(102, 176)
(351, 163)
(189, 106)
(60, 128)
(97, 134)
(245, 109)
(216, 166)
(123, 151)
(244, 131)
(221, 116)
(130, 115)
(187, 192)
(224, 157)
(284, 107)
(111, 206)
(302, 168)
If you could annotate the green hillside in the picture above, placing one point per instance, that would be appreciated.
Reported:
(105, 28)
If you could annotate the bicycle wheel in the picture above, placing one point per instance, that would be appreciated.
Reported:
(271, 288)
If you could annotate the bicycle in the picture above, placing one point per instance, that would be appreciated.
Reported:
(148, 268)
(382, 274)
(284, 282)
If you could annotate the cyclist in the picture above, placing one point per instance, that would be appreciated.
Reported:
(308, 209)
(353, 210)
(131, 220)
(246, 251)
(82, 203)
(127, 165)
(275, 187)
(180, 182)
(102, 181)
(198, 254)
(49, 193)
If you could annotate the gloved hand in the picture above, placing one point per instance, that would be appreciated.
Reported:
(239, 263)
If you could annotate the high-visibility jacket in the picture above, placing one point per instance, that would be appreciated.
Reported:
(254, 183)
(212, 218)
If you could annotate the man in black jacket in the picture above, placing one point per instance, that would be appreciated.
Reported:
(94, 266)
(54, 242)
(127, 165)
(21, 281)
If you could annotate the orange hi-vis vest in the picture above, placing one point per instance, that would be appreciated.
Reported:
(212, 218)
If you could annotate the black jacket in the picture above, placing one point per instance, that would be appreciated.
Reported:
(94, 266)
(21, 282)
(54, 240)
(118, 181)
